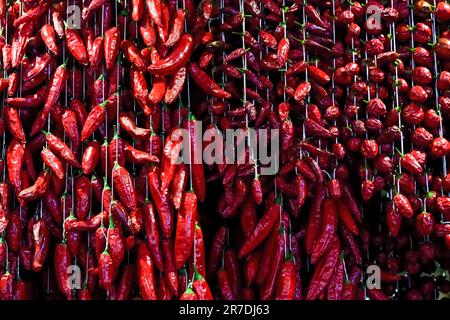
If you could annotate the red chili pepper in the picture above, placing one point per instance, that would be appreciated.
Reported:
(14, 229)
(176, 59)
(283, 51)
(116, 246)
(327, 230)
(14, 160)
(201, 287)
(336, 285)
(93, 121)
(324, 271)
(37, 190)
(216, 249)
(206, 83)
(91, 156)
(352, 243)
(178, 185)
(111, 46)
(48, 35)
(106, 270)
(189, 294)
(152, 232)
(13, 123)
(123, 184)
(62, 261)
(232, 267)
(314, 219)
(61, 149)
(403, 206)
(351, 202)
(346, 217)
(176, 29)
(76, 47)
(225, 286)
(53, 163)
(184, 236)
(175, 86)
(146, 278)
(55, 88)
(161, 202)
(133, 55)
(6, 286)
(262, 229)
(286, 282)
(41, 245)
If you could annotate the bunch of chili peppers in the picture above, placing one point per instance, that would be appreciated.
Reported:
(356, 95)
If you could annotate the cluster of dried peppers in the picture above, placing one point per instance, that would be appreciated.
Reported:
(94, 90)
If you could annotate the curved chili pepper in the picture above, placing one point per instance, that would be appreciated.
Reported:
(176, 29)
(31, 101)
(93, 121)
(351, 202)
(283, 51)
(53, 163)
(158, 89)
(37, 66)
(176, 59)
(133, 55)
(130, 127)
(346, 217)
(61, 149)
(175, 86)
(37, 190)
(206, 83)
(262, 229)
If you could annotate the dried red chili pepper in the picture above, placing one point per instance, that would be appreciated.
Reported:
(323, 272)
(262, 229)
(206, 83)
(146, 278)
(176, 59)
(61, 150)
(62, 261)
(161, 202)
(327, 230)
